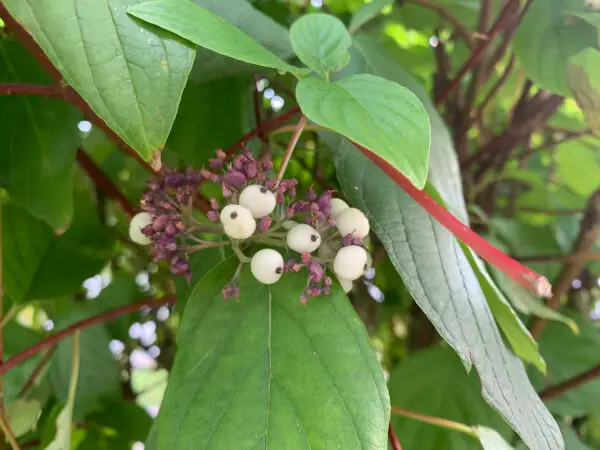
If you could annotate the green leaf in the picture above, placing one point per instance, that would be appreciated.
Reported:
(571, 157)
(23, 415)
(40, 141)
(583, 73)
(260, 27)
(44, 265)
(569, 355)
(62, 440)
(98, 375)
(270, 372)
(367, 12)
(321, 42)
(490, 439)
(521, 341)
(434, 382)
(131, 75)
(547, 39)
(212, 115)
(206, 29)
(126, 421)
(379, 114)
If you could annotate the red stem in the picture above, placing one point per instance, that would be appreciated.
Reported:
(85, 323)
(477, 54)
(393, 438)
(31, 89)
(512, 268)
(104, 183)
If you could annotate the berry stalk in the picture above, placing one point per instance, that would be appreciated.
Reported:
(512, 268)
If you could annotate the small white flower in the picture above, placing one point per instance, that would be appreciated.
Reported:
(349, 263)
(337, 206)
(237, 221)
(138, 222)
(303, 238)
(267, 266)
(258, 200)
(352, 221)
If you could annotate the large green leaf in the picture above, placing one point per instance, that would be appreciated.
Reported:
(98, 375)
(43, 265)
(437, 272)
(321, 42)
(583, 75)
(383, 116)
(547, 40)
(270, 372)
(447, 392)
(40, 141)
(212, 115)
(131, 75)
(206, 29)
(258, 26)
(568, 355)
(578, 166)
(367, 12)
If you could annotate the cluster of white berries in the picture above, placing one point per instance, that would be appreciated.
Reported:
(326, 232)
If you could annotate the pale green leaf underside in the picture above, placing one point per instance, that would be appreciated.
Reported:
(441, 280)
(206, 29)
(490, 439)
(367, 12)
(383, 116)
(270, 372)
(130, 75)
(583, 73)
(321, 42)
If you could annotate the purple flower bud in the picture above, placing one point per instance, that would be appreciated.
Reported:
(297, 267)
(171, 229)
(159, 223)
(280, 199)
(290, 264)
(315, 271)
(251, 170)
(221, 154)
(167, 243)
(305, 258)
(179, 266)
(228, 292)
(325, 201)
(180, 226)
(213, 216)
(327, 281)
(148, 230)
(174, 179)
(155, 185)
(326, 290)
(234, 178)
(207, 174)
(215, 164)
(347, 240)
(270, 184)
(314, 291)
(292, 192)
(303, 299)
(264, 224)
(238, 163)
(311, 196)
(331, 221)
(193, 176)
(214, 204)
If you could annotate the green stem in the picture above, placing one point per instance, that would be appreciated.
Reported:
(437, 421)
(238, 252)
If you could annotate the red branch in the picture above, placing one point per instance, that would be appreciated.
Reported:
(512, 268)
(85, 323)
(39, 90)
(476, 56)
(393, 438)
(104, 183)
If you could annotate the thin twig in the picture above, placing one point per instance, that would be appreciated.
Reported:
(588, 234)
(394, 441)
(559, 389)
(289, 151)
(437, 421)
(104, 183)
(477, 54)
(494, 90)
(37, 90)
(85, 323)
(5, 425)
(461, 29)
(37, 370)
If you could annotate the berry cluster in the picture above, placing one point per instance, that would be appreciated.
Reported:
(257, 210)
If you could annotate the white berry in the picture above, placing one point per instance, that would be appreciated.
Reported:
(349, 263)
(138, 222)
(267, 266)
(258, 200)
(352, 221)
(303, 238)
(237, 221)
(337, 206)
(346, 285)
